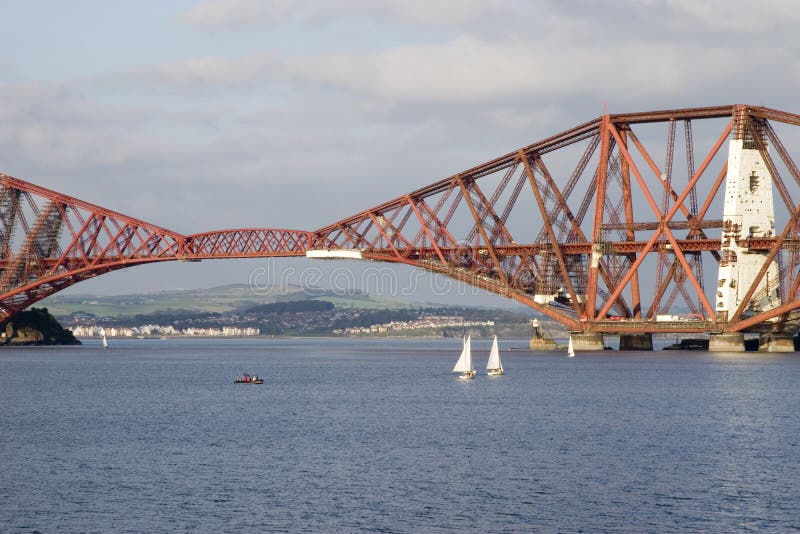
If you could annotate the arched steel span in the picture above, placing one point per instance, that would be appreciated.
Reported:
(603, 227)
(66, 240)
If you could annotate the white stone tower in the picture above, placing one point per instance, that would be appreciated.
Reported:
(748, 213)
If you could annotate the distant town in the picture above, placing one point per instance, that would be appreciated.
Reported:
(431, 322)
(427, 323)
(153, 330)
(235, 311)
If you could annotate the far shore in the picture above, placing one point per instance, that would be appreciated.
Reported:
(179, 336)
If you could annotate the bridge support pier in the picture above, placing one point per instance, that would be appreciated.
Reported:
(771, 342)
(539, 341)
(542, 343)
(636, 342)
(586, 341)
(726, 342)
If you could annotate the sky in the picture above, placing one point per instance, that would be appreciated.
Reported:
(204, 115)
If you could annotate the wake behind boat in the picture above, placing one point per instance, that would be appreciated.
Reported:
(464, 363)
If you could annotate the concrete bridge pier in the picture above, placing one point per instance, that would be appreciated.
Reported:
(772, 342)
(726, 342)
(539, 341)
(586, 341)
(542, 344)
(636, 342)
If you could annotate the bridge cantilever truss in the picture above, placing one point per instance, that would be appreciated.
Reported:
(65, 240)
(608, 227)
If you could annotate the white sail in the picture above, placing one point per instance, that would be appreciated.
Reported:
(570, 348)
(494, 357)
(469, 354)
(105, 341)
(464, 362)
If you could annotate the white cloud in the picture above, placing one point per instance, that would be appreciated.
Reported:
(199, 72)
(431, 12)
(244, 12)
(470, 70)
(580, 20)
(561, 54)
(737, 16)
(464, 70)
(237, 13)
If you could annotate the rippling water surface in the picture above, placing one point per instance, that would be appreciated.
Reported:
(377, 435)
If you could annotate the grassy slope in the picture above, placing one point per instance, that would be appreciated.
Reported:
(216, 299)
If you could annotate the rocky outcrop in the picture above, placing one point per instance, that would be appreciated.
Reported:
(35, 327)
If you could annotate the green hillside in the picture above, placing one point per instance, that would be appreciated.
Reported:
(216, 299)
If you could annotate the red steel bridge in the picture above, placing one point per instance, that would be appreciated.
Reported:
(613, 226)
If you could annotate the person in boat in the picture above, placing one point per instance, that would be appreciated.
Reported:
(246, 377)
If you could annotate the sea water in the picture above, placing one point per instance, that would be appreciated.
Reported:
(377, 435)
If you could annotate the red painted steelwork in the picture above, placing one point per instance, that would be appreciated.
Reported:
(598, 276)
(581, 226)
(67, 240)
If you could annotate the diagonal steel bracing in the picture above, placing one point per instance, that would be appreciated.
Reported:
(583, 226)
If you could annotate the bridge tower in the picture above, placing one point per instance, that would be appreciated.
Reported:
(748, 213)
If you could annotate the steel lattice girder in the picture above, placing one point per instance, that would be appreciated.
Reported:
(576, 214)
(68, 240)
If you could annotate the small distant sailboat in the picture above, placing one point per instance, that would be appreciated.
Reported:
(464, 363)
(494, 367)
(570, 348)
(105, 341)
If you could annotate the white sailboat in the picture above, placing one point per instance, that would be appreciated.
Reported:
(105, 341)
(464, 363)
(570, 348)
(494, 367)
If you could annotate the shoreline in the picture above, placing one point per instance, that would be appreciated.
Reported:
(143, 338)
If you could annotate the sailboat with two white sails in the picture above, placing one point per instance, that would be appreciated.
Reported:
(494, 366)
(464, 363)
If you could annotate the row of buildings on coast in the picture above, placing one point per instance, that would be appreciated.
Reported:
(159, 330)
(431, 322)
(426, 323)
